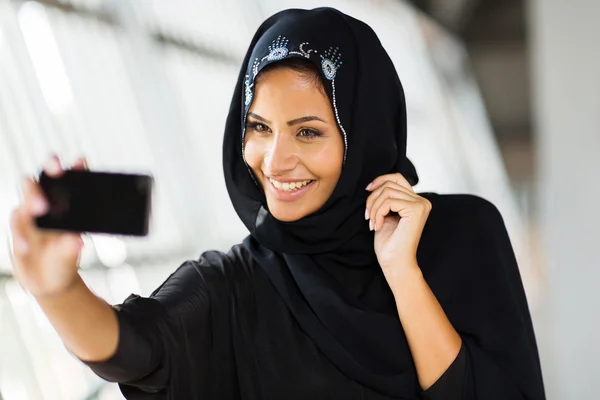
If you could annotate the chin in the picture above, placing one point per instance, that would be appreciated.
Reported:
(286, 213)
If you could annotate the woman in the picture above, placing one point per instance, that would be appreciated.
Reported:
(339, 292)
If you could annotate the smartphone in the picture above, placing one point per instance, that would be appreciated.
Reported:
(97, 202)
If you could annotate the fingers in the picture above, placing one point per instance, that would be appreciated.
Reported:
(404, 208)
(387, 187)
(393, 193)
(80, 164)
(53, 167)
(391, 197)
(396, 178)
(34, 201)
(34, 204)
(68, 245)
(24, 232)
(19, 232)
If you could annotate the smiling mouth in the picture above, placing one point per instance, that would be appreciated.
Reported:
(290, 186)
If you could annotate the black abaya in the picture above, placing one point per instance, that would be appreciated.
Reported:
(218, 329)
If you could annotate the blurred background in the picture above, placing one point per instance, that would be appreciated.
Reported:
(503, 102)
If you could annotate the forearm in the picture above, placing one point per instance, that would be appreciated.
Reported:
(433, 342)
(87, 325)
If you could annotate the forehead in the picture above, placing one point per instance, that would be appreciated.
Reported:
(286, 90)
(285, 78)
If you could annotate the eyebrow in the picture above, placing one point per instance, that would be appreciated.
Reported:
(289, 123)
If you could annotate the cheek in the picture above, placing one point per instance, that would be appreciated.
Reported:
(254, 154)
(329, 160)
(329, 168)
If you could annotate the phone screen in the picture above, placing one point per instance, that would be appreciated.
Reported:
(97, 202)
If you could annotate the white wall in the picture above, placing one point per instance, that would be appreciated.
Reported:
(566, 73)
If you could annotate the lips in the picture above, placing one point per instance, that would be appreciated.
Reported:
(289, 186)
(288, 191)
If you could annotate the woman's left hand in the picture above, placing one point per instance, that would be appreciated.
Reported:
(398, 216)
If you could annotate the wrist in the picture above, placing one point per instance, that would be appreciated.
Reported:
(401, 267)
(73, 286)
(403, 277)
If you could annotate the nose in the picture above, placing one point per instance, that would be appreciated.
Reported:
(280, 155)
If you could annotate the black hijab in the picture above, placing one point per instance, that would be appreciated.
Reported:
(324, 265)
(320, 263)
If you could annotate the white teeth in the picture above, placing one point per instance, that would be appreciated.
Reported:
(289, 186)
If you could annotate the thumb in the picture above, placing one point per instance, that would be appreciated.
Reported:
(70, 244)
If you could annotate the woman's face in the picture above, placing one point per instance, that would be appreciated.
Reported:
(293, 144)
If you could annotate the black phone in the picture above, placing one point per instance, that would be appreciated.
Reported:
(97, 202)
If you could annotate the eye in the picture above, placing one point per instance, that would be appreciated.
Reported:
(257, 126)
(309, 133)
(260, 127)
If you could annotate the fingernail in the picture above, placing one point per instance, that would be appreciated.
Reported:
(371, 225)
(366, 213)
(40, 206)
(53, 166)
(369, 186)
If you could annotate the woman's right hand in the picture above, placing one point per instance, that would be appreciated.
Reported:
(45, 262)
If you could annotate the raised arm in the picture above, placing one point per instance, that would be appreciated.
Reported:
(45, 263)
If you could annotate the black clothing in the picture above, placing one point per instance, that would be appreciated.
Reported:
(279, 316)
(317, 262)
(218, 329)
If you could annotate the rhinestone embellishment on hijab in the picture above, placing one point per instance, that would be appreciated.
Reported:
(330, 63)
(248, 91)
(278, 49)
